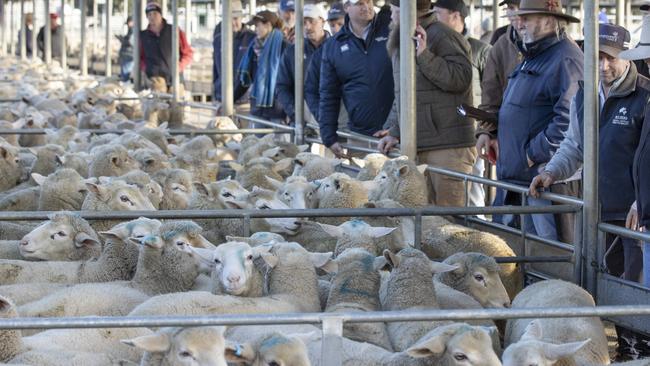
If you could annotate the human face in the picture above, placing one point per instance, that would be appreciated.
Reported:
(155, 19)
(262, 29)
(362, 11)
(611, 68)
(450, 18)
(510, 9)
(314, 30)
(336, 24)
(394, 14)
(533, 27)
(288, 17)
(236, 24)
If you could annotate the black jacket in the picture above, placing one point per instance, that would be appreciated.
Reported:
(241, 41)
(126, 47)
(56, 41)
(641, 173)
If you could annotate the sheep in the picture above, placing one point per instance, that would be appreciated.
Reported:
(555, 341)
(154, 111)
(110, 161)
(358, 234)
(114, 196)
(32, 120)
(10, 139)
(117, 262)
(182, 346)
(441, 239)
(46, 159)
(61, 136)
(78, 161)
(254, 172)
(477, 275)
(314, 167)
(165, 265)
(223, 123)
(292, 287)
(221, 195)
(271, 348)
(402, 181)
(253, 147)
(22, 200)
(284, 150)
(355, 287)
(151, 161)
(370, 165)
(9, 166)
(259, 238)
(340, 191)
(177, 188)
(409, 286)
(262, 199)
(147, 186)
(296, 192)
(159, 136)
(14, 231)
(133, 141)
(313, 237)
(201, 171)
(196, 148)
(64, 189)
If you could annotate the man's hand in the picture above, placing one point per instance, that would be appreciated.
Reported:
(386, 144)
(421, 36)
(488, 148)
(545, 179)
(337, 150)
(380, 133)
(632, 220)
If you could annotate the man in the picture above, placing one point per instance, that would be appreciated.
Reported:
(56, 39)
(125, 56)
(444, 81)
(453, 13)
(288, 16)
(356, 69)
(242, 38)
(511, 7)
(155, 48)
(29, 25)
(336, 18)
(535, 112)
(314, 23)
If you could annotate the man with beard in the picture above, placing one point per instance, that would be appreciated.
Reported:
(444, 81)
(315, 34)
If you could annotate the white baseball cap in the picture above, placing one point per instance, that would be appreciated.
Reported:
(314, 11)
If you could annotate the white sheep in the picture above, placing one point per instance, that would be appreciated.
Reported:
(314, 167)
(65, 189)
(358, 234)
(296, 192)
(9, 166)
(177, 188)
(255, 172)
(370, 165)
(402, 181)
(340, 191)
(110, 161)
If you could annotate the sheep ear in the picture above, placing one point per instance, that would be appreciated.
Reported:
(438, 267)
(433, 346)
(297, 162)
(338, 184)
(60, 160)
(4, 152)
(39, 179)
(201, 188)
(115, 160)
(422, 168)
(236, 166)
(111, 234)
(331, 230)
(378, 232)
(271, 152)
(370, 205)
(154, 343)
(359, 162)
(283, 164)
(5, 305)
(391, 258)
(85, 240)
(533, 331)
(239, 353)
(402, 171)
(554, 352)
(321, 260)
(97, 189)
(270, 259)
(303, 148)
(381, 264)
(274, 182)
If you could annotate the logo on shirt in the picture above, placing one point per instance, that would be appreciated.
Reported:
(345, 48)
(621, 117)
(381, 39)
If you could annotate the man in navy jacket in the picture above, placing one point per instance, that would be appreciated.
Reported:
(356, 69)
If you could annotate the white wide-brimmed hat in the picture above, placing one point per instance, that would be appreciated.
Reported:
(642, 49)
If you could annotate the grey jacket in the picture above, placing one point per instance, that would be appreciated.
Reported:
(443, 82)
(480, 51)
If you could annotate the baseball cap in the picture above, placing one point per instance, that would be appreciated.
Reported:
(314, 11)
(264, 16)
(509, 2)
(336, 12)
(287, 5)
(421, 5)
(612, 39)
(153, 6)
(453, 5)
(237, 8)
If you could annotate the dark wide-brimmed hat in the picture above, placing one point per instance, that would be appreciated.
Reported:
(544, 7)
(420, 5)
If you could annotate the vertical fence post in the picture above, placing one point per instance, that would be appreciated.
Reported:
(64, 54)
(137, 26)
(12, 48)
(331, 354)
(34, 32)
(95, 27)
(299, 74)
(188, 21)
(47, 47)
(591, 117)
(227, 80)
(620, 12)
(23, 31)
(3, 30)
(408, 130)
(83, 44)
(578, 249)
(252, 8)
(107, 61)
(495, 14)
(175, 81)
(524, 237)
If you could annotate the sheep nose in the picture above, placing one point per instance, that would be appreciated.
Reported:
(23, 242)
(233, 278)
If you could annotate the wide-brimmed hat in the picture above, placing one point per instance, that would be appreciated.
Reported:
(265, 16)
(420, 5)
(642, 49)
(612, 39)
(237, 8)
(509, 2)
(544, 7)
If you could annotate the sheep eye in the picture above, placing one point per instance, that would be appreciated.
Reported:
(180, 243)
(273, 363)
(217, 261)
(479, 277)
(265, 207)
(185, 354)
(250, 257)
(226, 194)
(286, 193)
(124, 199)
(61, 234)
(460, 357)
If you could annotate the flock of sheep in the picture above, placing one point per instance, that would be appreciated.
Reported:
(68, 266)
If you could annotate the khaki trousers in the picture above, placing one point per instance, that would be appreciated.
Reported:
(445, 190)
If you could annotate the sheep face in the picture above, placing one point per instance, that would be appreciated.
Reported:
(370, 165)
(138, 228)
(283, 151)
(458, 345)
(296, 192)
(233, 266)
(228, 192)
(120, 196)
(151, 161)
(204, 346)
(10, 167)
(56, 240)
(281, 225)
(274, 349)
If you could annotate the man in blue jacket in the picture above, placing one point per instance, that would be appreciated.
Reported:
(356, 69)
(315, 34)
(534, 115)
(242, 38)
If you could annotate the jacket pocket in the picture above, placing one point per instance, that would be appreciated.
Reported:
(426, 128)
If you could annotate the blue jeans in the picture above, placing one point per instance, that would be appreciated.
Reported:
(542, 225)
(125, 70)
(646, 264)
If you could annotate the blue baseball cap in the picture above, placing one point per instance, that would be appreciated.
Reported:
(336, 12)
(287, 5)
